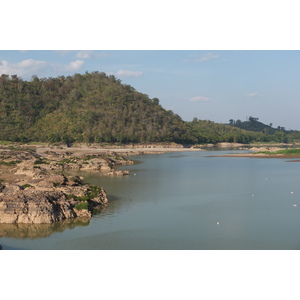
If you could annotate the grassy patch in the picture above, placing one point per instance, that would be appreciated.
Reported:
(92, 193)
(5, 143)
(21, 149)
(10, 163)
(83, 205)
(40, 162)
(24, 186)
(91, 157)
(71, 160)
(283, 152)
(289, 152)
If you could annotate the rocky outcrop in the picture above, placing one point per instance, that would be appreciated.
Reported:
(49, 199)
(52, 161)
(33, 191)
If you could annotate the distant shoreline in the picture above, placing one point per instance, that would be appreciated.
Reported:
(258, 155)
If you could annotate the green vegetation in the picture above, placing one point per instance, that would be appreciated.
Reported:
(87, 108)
(267, 132)
(40, 162)
(92, 192)
(24, 186)
(283, 151)
(10, 163)
(89, 157)
(98, 108)
(82, 205)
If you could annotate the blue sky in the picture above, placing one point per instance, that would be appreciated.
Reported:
(210, 85)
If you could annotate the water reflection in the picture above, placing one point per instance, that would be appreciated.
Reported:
(34, 231)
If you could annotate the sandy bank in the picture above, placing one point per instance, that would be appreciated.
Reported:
(259, 155)
(78, 151)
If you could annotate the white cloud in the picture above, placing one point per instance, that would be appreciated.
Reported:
(199, 99)
(23, 68)
(29, 67)
(206, 57)
(252, 94)
(84, 54)
(74, 65)
(127, 73)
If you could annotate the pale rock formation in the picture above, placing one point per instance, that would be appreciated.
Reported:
(47, 200)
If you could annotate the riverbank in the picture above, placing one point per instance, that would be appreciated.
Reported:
(126, 150)
(268, 152)
(34, 188)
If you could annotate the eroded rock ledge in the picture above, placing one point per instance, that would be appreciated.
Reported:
(34, 190)
(49, 199)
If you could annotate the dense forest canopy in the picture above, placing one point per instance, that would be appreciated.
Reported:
(95, 107)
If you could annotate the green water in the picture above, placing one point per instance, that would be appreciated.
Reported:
(183, 200)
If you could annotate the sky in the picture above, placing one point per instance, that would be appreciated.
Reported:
(216, 85)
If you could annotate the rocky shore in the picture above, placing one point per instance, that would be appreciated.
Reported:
(34, 189)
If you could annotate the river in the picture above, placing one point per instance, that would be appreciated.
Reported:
(183, 201)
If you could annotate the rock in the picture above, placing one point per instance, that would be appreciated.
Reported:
(34, 194)
(1, 247)
(117, 173)
(48, 204)
(83, 213)
(2, 186)
(57, 179)
(74, 181)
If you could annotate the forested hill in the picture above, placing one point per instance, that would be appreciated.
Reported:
(92, 107)
(95, 107)
(252, 124)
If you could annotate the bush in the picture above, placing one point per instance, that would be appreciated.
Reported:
(24, 186)
(41, 161)
(83, 205)
(10, 163)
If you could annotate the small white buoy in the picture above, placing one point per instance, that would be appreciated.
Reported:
(252, 195)
(134, 174)
(295, 205)
(292, 192)
(218, 223)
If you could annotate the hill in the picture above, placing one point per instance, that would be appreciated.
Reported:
(252, 124)
(90, 108)
(95, 107)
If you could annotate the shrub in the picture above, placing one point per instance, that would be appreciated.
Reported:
(41, 161)
(24, 186)
(10, 163)
(83, 205)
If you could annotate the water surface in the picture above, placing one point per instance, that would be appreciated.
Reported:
(185, 200)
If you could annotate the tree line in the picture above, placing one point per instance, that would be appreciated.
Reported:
(95, 107)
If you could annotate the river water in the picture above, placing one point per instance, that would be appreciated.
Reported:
(183, 200)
